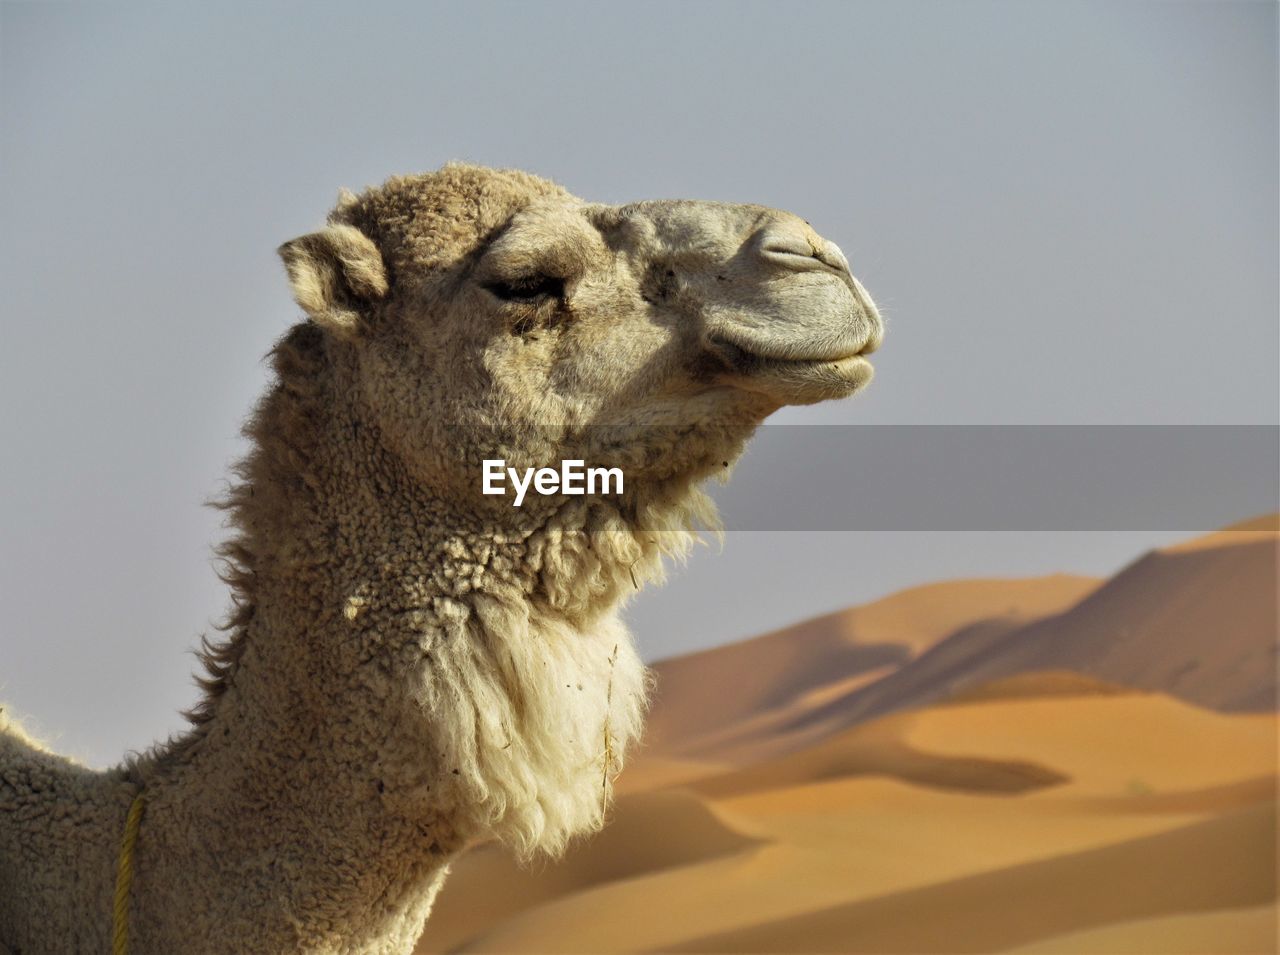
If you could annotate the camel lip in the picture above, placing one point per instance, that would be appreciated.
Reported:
(744, 360)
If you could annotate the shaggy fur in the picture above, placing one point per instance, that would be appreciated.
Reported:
(411, 666)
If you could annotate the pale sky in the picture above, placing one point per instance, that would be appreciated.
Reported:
(1067, 211)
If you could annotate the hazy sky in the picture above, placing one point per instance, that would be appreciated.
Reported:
(1066, 210)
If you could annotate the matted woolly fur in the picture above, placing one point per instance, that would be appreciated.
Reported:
(410, 666)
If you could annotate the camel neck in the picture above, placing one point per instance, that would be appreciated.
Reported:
(310, 776)
(311, 783)
(398, 679)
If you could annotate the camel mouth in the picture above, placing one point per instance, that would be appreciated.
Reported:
(747, 360)
(792, 380)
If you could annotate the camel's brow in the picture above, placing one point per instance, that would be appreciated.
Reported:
(486, 242)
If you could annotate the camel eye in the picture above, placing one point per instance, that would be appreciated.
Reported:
(528, 289)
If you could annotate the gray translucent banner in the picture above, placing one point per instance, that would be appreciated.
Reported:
(1002, 478)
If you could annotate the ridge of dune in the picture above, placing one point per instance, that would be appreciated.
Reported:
(1035, 684)
(1261, 528)
(1263, 522)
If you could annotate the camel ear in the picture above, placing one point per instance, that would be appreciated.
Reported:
(336, 274)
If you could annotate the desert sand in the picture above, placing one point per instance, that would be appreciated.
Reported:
(1027, 766)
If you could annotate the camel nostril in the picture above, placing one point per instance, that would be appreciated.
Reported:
(801, 252)
(786, 246)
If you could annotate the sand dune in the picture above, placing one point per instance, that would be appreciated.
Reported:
(1198, 621)
(999, 744)
(1019, 904)
(881, 749)
(771, 682)
(881, 852)
(1050, 788)
(1132, 744)
(487, 886)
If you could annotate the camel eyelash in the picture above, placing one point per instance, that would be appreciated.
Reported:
(529, 289)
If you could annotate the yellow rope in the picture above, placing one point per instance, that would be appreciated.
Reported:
(124, 879)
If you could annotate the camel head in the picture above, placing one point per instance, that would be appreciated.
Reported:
(485, 313)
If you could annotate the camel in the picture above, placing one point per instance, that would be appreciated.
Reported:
(410, 665)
